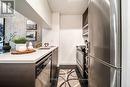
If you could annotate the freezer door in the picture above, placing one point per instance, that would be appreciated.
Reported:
(104, 30)
(101, 75)
(115, 33)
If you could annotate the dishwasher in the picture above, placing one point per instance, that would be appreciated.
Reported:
(43, 72)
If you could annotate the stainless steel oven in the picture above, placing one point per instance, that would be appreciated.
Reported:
(43, 72)
(81, 59)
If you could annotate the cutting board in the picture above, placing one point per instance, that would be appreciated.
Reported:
(22, 52)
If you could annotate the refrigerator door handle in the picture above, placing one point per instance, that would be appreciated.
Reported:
(88, 62)
(105, 63)
(88, 47)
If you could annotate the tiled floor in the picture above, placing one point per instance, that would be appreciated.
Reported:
(68, 78)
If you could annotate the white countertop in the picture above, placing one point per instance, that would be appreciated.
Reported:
(25, 58)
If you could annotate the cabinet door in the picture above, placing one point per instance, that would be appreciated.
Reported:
(54, 64)
(17, 75)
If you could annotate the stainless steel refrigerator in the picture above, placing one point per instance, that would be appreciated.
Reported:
(104, 21)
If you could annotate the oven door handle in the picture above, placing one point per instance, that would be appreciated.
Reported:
(44, 59)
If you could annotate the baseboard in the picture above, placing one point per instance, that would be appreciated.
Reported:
(67, 66)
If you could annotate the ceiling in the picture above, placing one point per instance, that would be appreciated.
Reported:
(68, 6)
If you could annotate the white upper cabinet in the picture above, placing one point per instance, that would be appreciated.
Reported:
(42, 8)
(36, 10)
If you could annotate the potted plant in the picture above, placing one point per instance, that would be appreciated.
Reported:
(20, 43)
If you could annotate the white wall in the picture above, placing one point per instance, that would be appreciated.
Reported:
(42, 8)
(66, 33)
(126, 43)
(70, 37)
(52, 35)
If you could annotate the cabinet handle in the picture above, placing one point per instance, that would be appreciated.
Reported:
(88, 47)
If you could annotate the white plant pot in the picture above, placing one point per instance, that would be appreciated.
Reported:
(21, 47)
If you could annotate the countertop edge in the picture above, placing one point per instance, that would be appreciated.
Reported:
(28, 61)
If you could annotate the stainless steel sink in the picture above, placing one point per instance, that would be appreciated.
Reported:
(45, 48)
